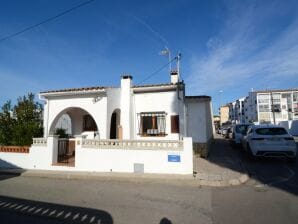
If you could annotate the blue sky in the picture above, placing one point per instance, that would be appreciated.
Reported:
(229, 46)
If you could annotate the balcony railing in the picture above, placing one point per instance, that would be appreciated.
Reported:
(133, 144)
(39, 141)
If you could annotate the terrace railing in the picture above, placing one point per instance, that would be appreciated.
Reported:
(39, 141)
(133, 144)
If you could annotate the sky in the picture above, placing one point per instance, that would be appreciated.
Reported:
(228, 47)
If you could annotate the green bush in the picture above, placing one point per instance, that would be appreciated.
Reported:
(19, 124)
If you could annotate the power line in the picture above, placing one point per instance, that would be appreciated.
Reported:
(157, 71)
(46, 20)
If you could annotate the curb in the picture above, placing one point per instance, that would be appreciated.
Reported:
(137, 178)
(224, 183)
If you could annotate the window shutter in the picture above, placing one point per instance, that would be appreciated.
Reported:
(175, 123)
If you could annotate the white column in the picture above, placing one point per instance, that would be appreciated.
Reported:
(188, 155)
(52, 144)
(126, 98)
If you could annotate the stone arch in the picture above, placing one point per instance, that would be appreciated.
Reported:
(114, 125)
(77, 117)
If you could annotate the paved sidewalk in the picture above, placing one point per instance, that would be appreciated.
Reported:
(223, 167)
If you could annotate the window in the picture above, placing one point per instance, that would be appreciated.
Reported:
(263, 98)
(242, 129)
(89, 123)
(296, 109)
(276, 98)
(295, 96)
(152, 123)
(175, 123)
(276, 108)
(271, 131)
(264, 108)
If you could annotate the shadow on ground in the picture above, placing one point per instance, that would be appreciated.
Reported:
(14, 210)
(276, 172)
(5, 172)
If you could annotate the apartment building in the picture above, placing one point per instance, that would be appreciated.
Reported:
(237, 111)
(271, 106)
(224, 114)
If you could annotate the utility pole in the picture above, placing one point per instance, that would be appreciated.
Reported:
(178, 57)
(220, 92)
(272, 107)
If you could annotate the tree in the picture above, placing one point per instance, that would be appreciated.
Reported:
(19, 124)
(7, 123)
(28, 120)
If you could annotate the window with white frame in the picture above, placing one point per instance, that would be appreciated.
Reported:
(264, 108)
(295, 96)
(263, 98)
(152, 124)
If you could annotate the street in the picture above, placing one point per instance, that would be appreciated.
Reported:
(270, 196)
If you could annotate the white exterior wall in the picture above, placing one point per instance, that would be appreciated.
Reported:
(199, 120)
(113, 103)
(159, 101)
(103, 160)
(123, 160)
(126, 110)
(98, 110)
(14, 160)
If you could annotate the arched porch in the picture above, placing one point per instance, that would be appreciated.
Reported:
(76, 121)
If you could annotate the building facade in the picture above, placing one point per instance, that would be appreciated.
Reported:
(160, 111)
(272, 106)
(131, 128)
(224, 113)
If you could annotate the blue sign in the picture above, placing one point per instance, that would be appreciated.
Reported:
(174, 158)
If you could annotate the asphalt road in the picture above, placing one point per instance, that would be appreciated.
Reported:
(271, 196)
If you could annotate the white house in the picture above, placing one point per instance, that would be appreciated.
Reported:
(131, 128)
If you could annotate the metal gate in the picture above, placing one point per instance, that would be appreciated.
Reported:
(66, 150)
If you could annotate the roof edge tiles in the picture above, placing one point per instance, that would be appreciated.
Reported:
(83, 89)
(199, 97)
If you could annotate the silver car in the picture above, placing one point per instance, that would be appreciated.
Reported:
(238, 131)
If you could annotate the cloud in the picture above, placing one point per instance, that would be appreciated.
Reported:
(256, 42)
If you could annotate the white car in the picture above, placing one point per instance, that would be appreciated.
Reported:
(238, 131)
(269, 141)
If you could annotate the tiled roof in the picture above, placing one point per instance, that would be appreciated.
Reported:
(153, 85)
(86, 89)
(83, 89)
(198, 97)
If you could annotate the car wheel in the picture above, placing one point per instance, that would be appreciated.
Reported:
(249, 152)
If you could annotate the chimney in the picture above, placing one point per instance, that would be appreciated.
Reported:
(125, 103)
(174, 77)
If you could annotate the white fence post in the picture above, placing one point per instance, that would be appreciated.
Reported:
(188, 152)
(53, 147)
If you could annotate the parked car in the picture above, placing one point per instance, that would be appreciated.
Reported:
(224, 131)
(229, 132)
(237, 133)
(269, 141)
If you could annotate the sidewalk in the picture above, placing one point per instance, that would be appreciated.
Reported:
(223, 167)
